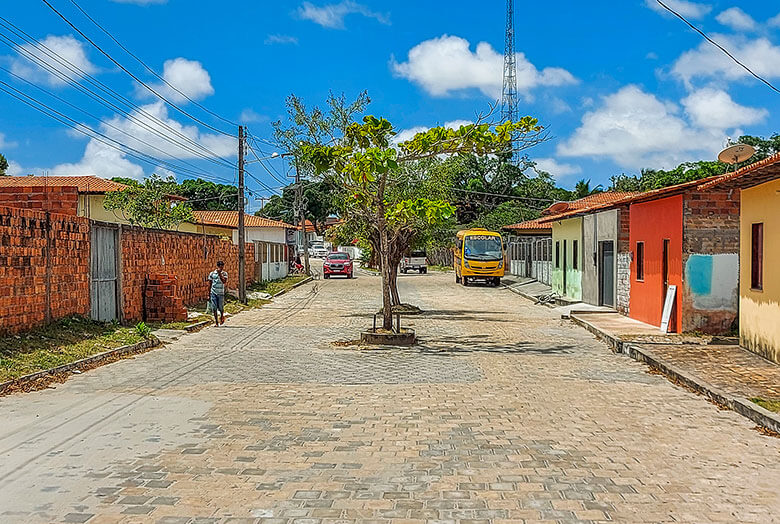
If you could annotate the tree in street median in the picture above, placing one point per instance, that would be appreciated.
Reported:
(365, 161)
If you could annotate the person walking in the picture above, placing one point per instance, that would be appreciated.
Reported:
(218, 281)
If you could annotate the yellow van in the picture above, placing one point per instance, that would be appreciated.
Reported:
(479, 255)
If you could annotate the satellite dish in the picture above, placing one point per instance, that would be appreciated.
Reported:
(736, 154)
(559, 207)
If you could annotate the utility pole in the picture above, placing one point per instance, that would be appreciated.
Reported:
(301, 215)
(241, 232)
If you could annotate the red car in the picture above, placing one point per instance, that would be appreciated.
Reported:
(337, 264)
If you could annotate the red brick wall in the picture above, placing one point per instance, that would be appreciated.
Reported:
(23, 267)
(149, 252)
(62, 200)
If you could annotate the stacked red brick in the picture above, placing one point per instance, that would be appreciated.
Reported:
(189, 256)
(163, 303)
(63, 200)
(26, 272)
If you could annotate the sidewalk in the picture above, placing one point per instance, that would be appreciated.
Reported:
(725, 373)
(533, 289)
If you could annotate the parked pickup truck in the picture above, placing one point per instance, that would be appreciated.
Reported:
(415, 261)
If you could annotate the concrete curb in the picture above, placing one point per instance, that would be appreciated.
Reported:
(527, 296)
(614, 343)
(744, 407)
(197, 326)
(298, 284)
(79, 364)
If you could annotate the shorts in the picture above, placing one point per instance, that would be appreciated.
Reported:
(217, 303)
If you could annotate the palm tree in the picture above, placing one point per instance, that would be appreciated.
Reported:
(583, 189)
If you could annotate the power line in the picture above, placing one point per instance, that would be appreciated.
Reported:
(713, 42)
(513, 197)
(132, 75)
(96, 135)
(109, 124)
(152, 71)
(209, 155)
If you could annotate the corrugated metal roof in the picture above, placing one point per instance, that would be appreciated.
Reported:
(230, 219)
(85, 184)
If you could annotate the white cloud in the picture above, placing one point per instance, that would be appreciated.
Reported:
(280, 39)
(714, 108)
(737, 19)
(100, 160)
(685, 7)
(408, 134)
(332, 15)
(250, 115)
(446, 64)
(774, 21)
(188, 76)
(706, 61)
(5, 144)
(635, 129)
(68, 48)
(557, 169)
(156, 117)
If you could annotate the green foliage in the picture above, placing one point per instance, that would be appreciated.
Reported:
(582, 189)
(319, 198)
(688, 171)
(150, 204)
(204, 195)
(126, 181)
(506, 213)
(3, 165)
(142, 330)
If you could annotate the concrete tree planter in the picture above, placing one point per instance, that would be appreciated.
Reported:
(406, 337)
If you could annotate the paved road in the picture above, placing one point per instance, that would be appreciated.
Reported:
(504, 414)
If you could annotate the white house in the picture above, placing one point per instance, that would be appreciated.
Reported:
(274, 241)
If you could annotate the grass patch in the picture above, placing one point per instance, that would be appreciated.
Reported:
(771, 405)
(62, 342)
(275, 286)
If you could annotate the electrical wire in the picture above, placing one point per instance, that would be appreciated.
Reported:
(713, 42)
(132, 75)
(149, 69)
(108, 124)
(96, 135)
(39, 46)
(513, 197)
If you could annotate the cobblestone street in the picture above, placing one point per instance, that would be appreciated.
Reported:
(504, 413)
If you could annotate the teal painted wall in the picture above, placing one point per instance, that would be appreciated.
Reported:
(570, 231)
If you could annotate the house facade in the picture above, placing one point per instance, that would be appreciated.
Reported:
(686, 236)
(567, 258)
(759, 224)
(270, 239)
(606, 264)
(529, 250)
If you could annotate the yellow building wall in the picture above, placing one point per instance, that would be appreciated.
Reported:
(91, 206)
(759, 310)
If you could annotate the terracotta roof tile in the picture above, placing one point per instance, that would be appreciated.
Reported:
(529, 225)
(230, 219)
(754, 174)
(586, 204)
(85, 184)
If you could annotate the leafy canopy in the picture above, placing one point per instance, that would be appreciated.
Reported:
(150, 204)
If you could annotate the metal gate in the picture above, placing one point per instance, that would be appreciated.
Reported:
(104, 288)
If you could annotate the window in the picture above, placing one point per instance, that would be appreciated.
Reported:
(557, 254)
(640, 260)
(574, 255)
(757, 257)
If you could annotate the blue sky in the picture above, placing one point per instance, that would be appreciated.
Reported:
(620, 85)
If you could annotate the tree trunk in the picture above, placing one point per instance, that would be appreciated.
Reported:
(386, 267)
(394, 296)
